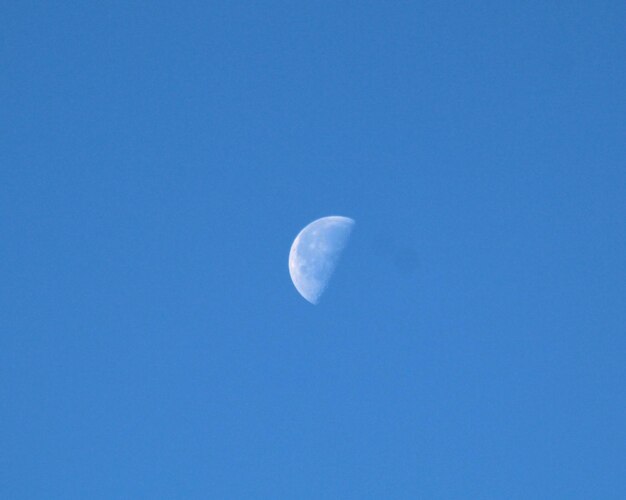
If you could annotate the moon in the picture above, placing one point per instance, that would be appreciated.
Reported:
(315, 252)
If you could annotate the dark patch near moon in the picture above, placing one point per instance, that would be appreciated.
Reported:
(403, 257)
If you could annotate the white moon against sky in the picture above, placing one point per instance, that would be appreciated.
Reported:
(315, 253)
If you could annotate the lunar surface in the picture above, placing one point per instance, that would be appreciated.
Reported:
(315, 253)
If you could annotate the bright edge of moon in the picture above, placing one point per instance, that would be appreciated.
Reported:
(315, 253)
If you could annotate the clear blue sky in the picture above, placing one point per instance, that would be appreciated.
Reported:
(157, 160)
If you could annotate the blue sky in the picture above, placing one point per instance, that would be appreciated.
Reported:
(157, 160)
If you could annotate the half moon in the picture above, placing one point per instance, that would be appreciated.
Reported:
(315, 252)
